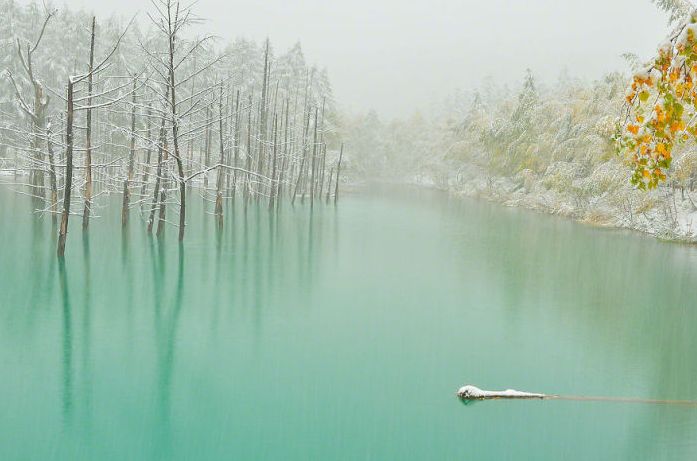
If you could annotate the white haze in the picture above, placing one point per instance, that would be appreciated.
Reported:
(399, 56)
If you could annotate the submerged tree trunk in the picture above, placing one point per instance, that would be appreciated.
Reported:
(190, 148)
(172, 28)
(338, 171)
(68, 172)
(303, 161)
(273, 167)
(229, 115)
(322, 153)
(329, 184)
(37, 111)
(219, 182)
(163, 190)
(148, 134)
(158, 178)
(161, 220)
(236, 145)
(314, 161)
(207, 145)
(52, 172)
(131, 162)
(248, 160)
(284, 162)
(88, 137)
(261, 159)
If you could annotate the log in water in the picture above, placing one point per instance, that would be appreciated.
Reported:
(470, 393)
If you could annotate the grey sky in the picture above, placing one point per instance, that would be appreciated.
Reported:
(397, 55)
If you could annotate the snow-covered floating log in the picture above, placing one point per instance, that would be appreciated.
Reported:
(470, 392)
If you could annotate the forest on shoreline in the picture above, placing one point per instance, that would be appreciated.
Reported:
(253, 123)
(618, 151)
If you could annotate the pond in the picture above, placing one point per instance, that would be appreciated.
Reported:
(343, 333)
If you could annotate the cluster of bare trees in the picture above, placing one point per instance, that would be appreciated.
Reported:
(155, 115)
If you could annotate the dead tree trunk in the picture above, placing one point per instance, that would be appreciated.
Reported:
(68, 172)
(163, 209)
(263, 113)
(322, 167)
(284, 162)
(88, 137)
(329, 184)
(219, 182)
(190, 154)
(236, 144)
(273, 167)
(322, 153)
(314, 161)
(148, 151)
(158, 178)
(131, 162)
(172, 24)
(303, 161)
(229, 114)
(207, 146)
(37, 112)
(338, 171)
(52, 172)
(163, 190)
(248, 160)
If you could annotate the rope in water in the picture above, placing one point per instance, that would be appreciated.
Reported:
(692, 403)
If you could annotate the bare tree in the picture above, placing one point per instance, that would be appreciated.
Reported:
(69, 138)
(36, 110)
(170, 19)
(88, 135)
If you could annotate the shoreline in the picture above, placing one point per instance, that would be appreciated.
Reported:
(662, 214)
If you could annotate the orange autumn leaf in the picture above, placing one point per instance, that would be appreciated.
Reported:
(677, 126)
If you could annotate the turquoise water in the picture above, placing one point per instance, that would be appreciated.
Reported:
(343, 334)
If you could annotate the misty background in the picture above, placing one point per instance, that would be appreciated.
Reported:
(399, 57)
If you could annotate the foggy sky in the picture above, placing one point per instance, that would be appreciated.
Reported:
(397, 56)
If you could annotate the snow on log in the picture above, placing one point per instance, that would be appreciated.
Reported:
(470, 392)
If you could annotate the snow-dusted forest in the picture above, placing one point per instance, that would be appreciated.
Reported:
(148, 109)
(244, 118)
(545, 146)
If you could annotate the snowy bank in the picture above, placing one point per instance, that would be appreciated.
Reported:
(602, 197)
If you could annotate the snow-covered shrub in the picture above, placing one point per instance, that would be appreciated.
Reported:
(559, 176)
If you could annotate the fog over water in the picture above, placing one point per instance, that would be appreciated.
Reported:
(261, 250)
(397, 57)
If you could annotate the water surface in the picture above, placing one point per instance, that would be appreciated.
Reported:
(343, 333)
